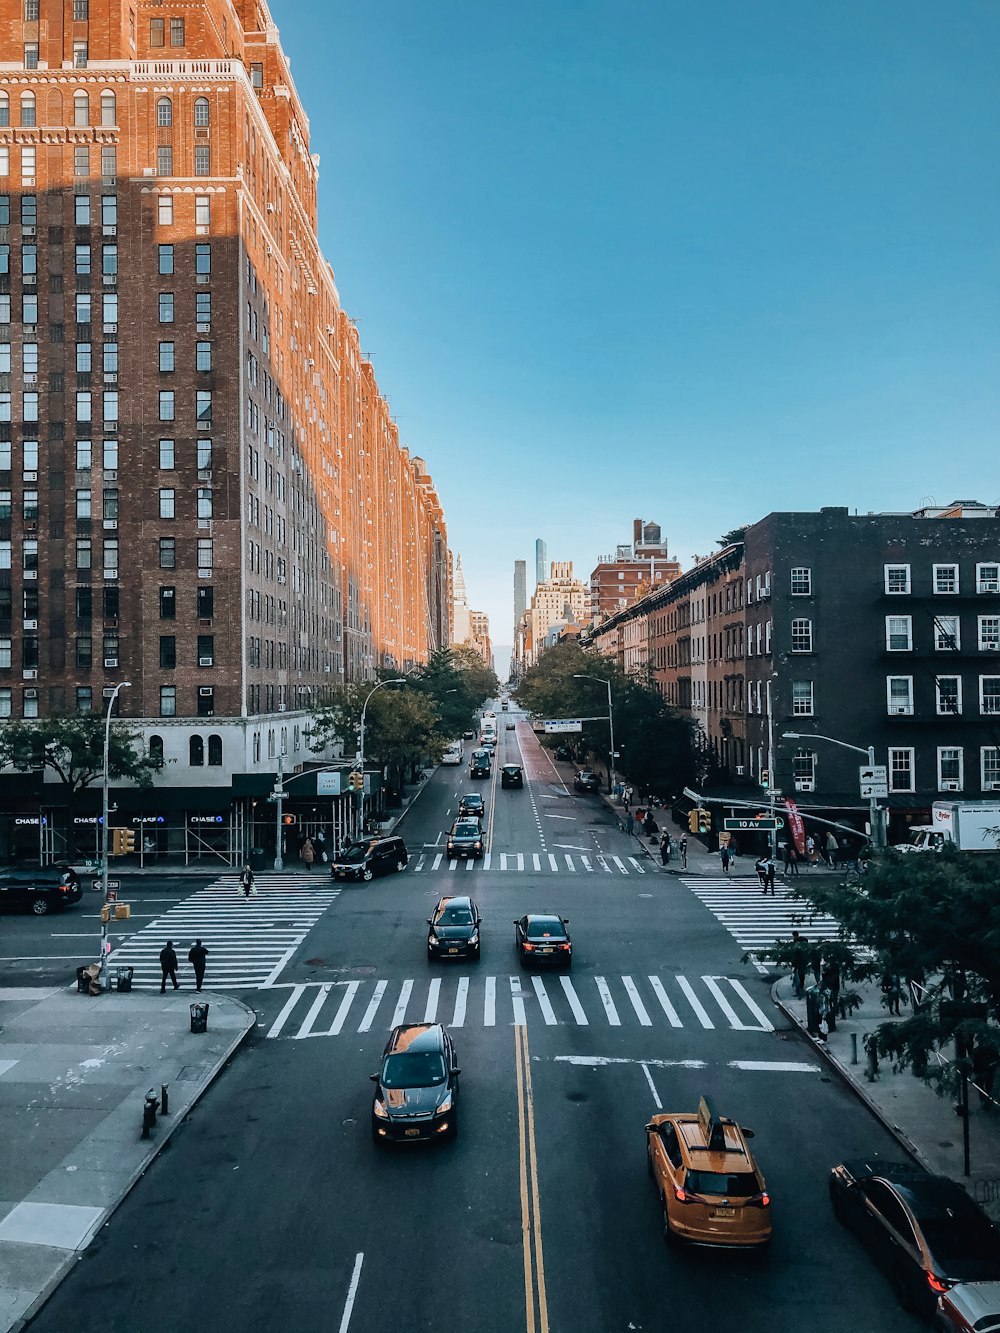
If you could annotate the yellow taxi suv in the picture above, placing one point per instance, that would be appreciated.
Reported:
(711, 1189)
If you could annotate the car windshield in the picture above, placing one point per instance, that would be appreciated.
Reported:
(413, 1069)
(355, 854)
(455, 916)
(513, 770)
(538, 930)
(738, 1185)
(468, 830)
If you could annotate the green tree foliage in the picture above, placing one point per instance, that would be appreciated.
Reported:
(458, 682)
(732, 537)
(402, 725)
(655, 744)
(72, 747)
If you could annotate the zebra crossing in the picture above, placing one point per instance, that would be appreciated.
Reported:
(755, 920)
(335, 1008)
(249, 941)
(539, 863)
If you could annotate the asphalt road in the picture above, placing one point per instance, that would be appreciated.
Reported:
(273, 1210)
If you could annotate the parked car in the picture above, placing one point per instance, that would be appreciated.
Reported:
(40, 889)
(453, 929)
(969, 1306)
(417, 1085)
(587, 780)
(469, 735)
(473, 804)
(924, 1231)
(542, 937)
(711, 1190)
(465, 839)
(511, 775)
(564, 752)
(374, 856)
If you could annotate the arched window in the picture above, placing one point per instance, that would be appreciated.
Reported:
(196, 752)
(156, 747)
(4, 109)
(81, 108)
(201, 111)
(164, 111)
(215, 751)
(109, 109)
(27, 108)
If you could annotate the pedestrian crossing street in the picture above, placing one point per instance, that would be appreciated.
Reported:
(335, 1008)
(249, 941)
(539, 863)
(755, 920)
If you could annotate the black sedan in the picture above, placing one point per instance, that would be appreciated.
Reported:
(40, 889)
(543, 938)
(472, 804)
(453, 930)
(417, 1085)
(924, 1231)
(587, 780)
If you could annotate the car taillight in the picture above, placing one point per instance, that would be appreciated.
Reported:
(685, 1196)
(935, 1283)
(762, 1200)
(567, 947)
(527, 946)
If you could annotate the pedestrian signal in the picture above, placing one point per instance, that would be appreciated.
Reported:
(289, 819)
(704, 821)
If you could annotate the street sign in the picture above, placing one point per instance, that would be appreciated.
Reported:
(558, 724)
(874, 780)
(328, 784)
(764, 824)
(113, 885)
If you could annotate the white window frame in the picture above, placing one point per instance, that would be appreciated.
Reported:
(804, 765)
(947, 712)
(799, 620)
(908, 621)
(940, 634)
(910, 770)
(988, 577)
(805, 576)
(893, 706)
(984, 711)
(941, 569)
(888, 571)
(802, 707)
(942, 750)
(991, 645)
(989, 784)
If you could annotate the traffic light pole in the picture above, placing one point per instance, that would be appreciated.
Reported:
(279, 798)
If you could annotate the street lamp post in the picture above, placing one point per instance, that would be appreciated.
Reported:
(874, 813)
(278, 796)
(396, 680)
(603, 680)
(122, 685)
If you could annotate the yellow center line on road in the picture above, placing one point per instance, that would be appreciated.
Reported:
(531, 1217)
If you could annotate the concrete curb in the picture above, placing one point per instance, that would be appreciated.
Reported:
(157, 1146)
(846, 1077)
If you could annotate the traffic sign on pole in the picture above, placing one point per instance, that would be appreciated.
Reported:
(873, 780)
(762, 823)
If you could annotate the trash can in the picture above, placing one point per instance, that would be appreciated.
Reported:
(199, 1018)
(257, 858)
(123, 978)
(814, 1011)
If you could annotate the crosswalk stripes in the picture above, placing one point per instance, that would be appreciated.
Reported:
(249, 941)
(536, 863)
(755, 920)
(332, 1009)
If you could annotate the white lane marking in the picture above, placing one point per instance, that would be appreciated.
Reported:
(431, 1008)
(694, 1002)
(520, 860)
(352, 1292)
(568, 847)
(548, 1012)
(453, 864)
(639, 868)
(665, 1004)
(569, 862)
(586, 864)
(279, 967)
(620, 864)
(548, 815)
(751, 1004)
(574, 1002)
(652, 1086)
(516, 996)
(721, 1000)
(608, 1002)
(503, 860)
(487, 860)
(470, 863)
(490, 1003)
(775, 1066)
(345, 1004)
(399, 1013)
(373, 1005)
(603, 864)
(437, 860)
(461, 999)
(314, 1009)
(553, 863)
(640, 1009)
(419, 865)
(596, 1061)
(289, 1005)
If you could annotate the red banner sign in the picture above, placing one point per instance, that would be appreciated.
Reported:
(796, 825)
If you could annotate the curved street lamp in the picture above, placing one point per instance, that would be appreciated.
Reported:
(603, 680)
(122, 685)
(396, 680)
(874, 813)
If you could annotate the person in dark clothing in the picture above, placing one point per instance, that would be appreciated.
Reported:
(168, 966)
(769, 876)
(791, 860)
(197, 957)
(760, 865)
(800, 962)
(649, 824)
(665, 848)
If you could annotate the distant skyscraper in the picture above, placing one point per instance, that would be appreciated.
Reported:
(541, 561)
(520, 589)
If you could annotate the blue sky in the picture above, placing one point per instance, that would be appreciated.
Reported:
(685, 261)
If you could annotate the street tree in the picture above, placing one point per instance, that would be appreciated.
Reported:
(402, 727)
(458, 682)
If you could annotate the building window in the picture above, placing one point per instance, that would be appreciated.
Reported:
(206, 603)
(6, 654)
(203, 356)
(989, 762)
(83, 504)
(901, 777)
(166, 258)
(84, 699)
(166, 405)
(109, 501)
(84, 358)
(29, 508)
(948, 690)
(84, 455)
(109, 453)
(168, 603)
(156, 32)
(109, 110)
(802, 582)
(949, 761)
(168, 701)
(206, 701)
(109, 309)
(166, 307)
(989, 695)
(256, 74)
(989, 634)
(109, 262)
(899, 694)
(165, 210)
(168, 652)
(802, 698)
(109, 210)
(29, 406)
(80, 54)
(28, 110)
(81, 211)
(946, 578)
(203, 404)
(988, 578)
(166, 356)
(206, 650)
(897, 579)
(203, 307)
(202, 112)
(164, 160)
(166, 455)
(81, 160)
(110, 400)
(168, 553)
(84, 553)
(84, 405)
(156, 748)
(196, 752)
(29, 310)
(203, 257)
(202, 160)
(164, 112)
(167, 502)
(4, 109)
(204, 502)
(83, 315)
(176, 32)
(804, 765)
(205, 551)
(5, 698)
(214, 751)
(802, 636)
(898, 634)
(947, 634)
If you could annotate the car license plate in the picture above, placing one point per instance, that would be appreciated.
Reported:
(724, 1214)
(411, 1133)
(546, 951)
(453, 951)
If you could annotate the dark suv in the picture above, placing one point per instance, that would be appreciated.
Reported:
(365, 860)
(454, 930)
(465, 839)
(42, 889)
(511, 776)
(417, 1085)
(480, 764)
(472, 804)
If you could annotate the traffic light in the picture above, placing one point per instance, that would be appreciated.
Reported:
(357, 781)
(704, 821)
(765, 778)
(122, 841)
(288, 820)
(692, 821)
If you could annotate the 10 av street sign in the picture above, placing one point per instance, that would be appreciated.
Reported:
(763, 823)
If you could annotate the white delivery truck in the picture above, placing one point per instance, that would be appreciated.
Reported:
(454, 753)
(967, 824)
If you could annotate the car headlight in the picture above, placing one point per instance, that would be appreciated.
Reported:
(379, 1109)
(445, 1106)
(474, 937)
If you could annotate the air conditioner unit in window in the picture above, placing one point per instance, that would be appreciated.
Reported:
(805, 784)
(111, 476)
(108, 691)
(27, 231)
(110, 525)
(30, 574)
(949, 786)
(992, 786)
(282, 579)
(108, 230)
(990, 647)
(901, 708)
(206, 661)
(31, 694)
(111, 575)
(989, 587)
(205, 474)
(31, 624)
(31, 379)
(111, 661)
(205, 691)
(31, 673)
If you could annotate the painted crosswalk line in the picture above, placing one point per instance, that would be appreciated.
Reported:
(756, 920)
(250, 941)
(707, 1003)
(535, 863)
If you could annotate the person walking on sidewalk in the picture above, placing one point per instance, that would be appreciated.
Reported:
(308, 853)
(769, 872)
(665, 848)
(197, 957)
(724, 854)
(760, 865)
(810, 852)
(246, 883)
(168, 966)
(791, 859)
(831, 849)
(682, 847)
(628, 823)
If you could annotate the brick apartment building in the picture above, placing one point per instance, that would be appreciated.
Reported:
(618, 580)
(202, 491)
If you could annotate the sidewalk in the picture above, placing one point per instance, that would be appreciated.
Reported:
(74, 1071)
